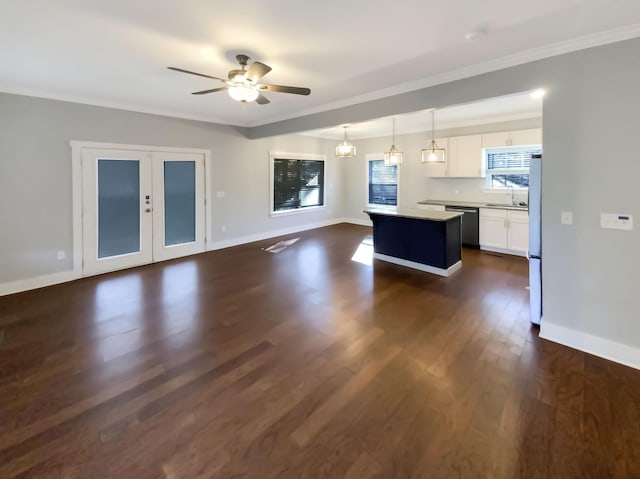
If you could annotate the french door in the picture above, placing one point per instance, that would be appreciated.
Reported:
(139, 207)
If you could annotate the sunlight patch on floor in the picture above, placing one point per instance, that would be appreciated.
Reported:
(364, 253)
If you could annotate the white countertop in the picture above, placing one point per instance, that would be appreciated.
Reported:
(430, 215)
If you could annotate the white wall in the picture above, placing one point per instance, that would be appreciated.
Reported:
(35, 176)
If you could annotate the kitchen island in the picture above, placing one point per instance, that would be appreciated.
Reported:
(421, 239)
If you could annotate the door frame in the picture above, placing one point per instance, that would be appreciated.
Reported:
(76, 186)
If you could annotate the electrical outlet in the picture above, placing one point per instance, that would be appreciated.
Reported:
(223, 228)
(566, 218)
(220, 194)
(60, 255)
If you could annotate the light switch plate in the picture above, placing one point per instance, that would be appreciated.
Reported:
(566, 218)
(616, 221)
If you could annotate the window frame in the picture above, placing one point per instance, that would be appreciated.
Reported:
(277, 155)
(374, 157)
(504, 171)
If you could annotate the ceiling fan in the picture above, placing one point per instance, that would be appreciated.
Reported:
(243, 84)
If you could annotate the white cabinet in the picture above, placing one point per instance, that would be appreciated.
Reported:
(531, 136)
(504, 230)
(465, 156)
(495, 140)
(438, 170)
(526, 137)
(493, 228)
(518, 230)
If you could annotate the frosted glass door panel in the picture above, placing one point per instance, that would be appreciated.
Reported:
(117, 210)
(118, 207)
(179, 202)
(178, 207)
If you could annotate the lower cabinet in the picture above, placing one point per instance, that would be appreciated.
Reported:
(504, 230)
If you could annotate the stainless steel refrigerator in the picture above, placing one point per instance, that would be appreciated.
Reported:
(535, 239)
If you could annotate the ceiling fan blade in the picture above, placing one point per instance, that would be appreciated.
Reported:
(257, 70)
(262, 100)
(287, 89)
(194, 73)
(213, 90)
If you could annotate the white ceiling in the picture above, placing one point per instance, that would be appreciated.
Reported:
(494, 110)
(115, 52)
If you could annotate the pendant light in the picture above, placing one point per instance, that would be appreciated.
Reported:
(393, 156)
(433, 154)
(345, 149)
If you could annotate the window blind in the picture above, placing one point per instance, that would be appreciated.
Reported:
(297, 184)
(383, 183)
(510, 160)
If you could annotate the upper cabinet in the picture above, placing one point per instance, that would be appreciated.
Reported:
(526, 137)
(463, 157)
(532, 136)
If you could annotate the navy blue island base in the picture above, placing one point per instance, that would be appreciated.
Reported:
(421, 239)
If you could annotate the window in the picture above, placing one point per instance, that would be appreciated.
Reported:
(383, 183)
(297, 183)
(509, 167)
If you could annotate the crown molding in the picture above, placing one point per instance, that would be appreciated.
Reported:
(112, 104)
(527, 56)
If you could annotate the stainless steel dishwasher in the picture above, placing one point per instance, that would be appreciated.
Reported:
(470, 225)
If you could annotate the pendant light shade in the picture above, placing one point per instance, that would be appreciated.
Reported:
(433, 154)
(345, 149)
(393, 156)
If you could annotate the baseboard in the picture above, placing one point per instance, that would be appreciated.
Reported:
(20, 285)
(274, 233)
(604, 348)
(504, 251)
(358, 221)
(27, 284)
(419, 266)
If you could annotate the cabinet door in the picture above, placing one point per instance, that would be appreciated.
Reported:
(465, 158)
(495, 140)
(435, 170)
(518, 230)
(493, 230)
(526, 137)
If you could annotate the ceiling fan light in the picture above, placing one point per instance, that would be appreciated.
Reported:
(433, 154)
(243, 92)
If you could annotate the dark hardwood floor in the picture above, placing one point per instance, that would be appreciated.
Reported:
(304, 364)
